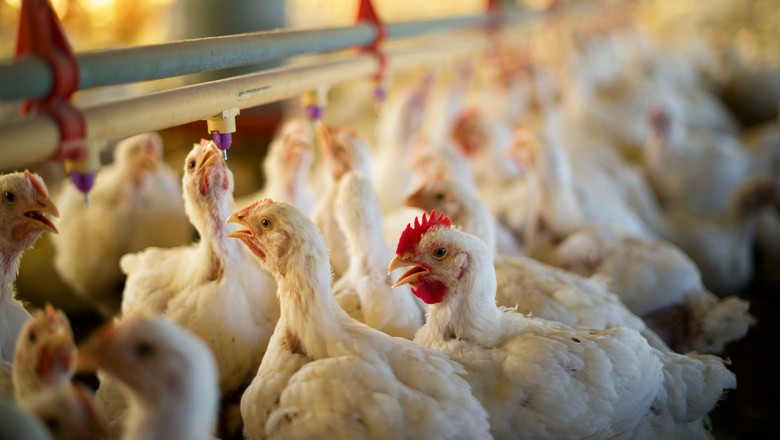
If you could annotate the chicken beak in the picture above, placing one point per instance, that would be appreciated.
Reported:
(38, 214)
(209, 159)
(42, 196)
(103, 351)
(238, 217)
(49, 208)
(241, 233)
(93, 353)
(410, 275)
(396, 263)
(416, 199)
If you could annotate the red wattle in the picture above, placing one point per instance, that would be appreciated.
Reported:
(204, 184)
(44, 365)
(430, 291)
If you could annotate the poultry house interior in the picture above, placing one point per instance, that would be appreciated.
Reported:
(572, 231)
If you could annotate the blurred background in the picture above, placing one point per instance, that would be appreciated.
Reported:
(740, 40)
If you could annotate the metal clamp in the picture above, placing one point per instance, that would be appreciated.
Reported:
(222, 127)
(366, 12)
(315, 102)
(41, 34)
(496, 14)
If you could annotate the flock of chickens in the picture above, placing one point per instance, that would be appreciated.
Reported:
(525, 250)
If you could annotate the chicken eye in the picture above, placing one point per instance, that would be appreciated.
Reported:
(440, 253)
(32, 337)
(144, 349)
(191, 165)
(9, 197)
(266, 223)
(439, 197)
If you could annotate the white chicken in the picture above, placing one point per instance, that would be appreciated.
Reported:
(696, 170)
(722, 245)
(443, 102)
(45, 354)
(460, 203)
(600, 107)
(24, 212)
(655, 280)
(343, 150)
(327, 375)
(397, 129)
(213, 288)
(69, 413)
(532, 287)
(286, 167)
(483, 142)
(573, 193)
(44, 364)
(540, 379)
(364, 291)
(169, 376)
(434, 163)
(138, 195)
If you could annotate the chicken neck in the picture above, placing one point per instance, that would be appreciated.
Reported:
(12, 313)
(310, 318)
(166, 419)
(469, 312)
(362, 226)
(217, 249)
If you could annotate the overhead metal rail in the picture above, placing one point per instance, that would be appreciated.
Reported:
(37, 137)
(31, 77)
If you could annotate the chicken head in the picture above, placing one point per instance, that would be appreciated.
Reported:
(207, 181)
(171, 374)
(438, 254)
(344, 151)
(273, 230)
(69, 412)
(139, 155)
(437, 193)
(24, 212)
(45, 352)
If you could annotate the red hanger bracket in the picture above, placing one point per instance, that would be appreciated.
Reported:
(41, 34)
(367, 13)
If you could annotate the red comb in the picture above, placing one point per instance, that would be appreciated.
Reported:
(51, 314)
(36, 184)
(412, 235)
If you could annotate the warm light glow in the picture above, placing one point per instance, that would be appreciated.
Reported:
(60, 6)
(98, 4)
(316, 13)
